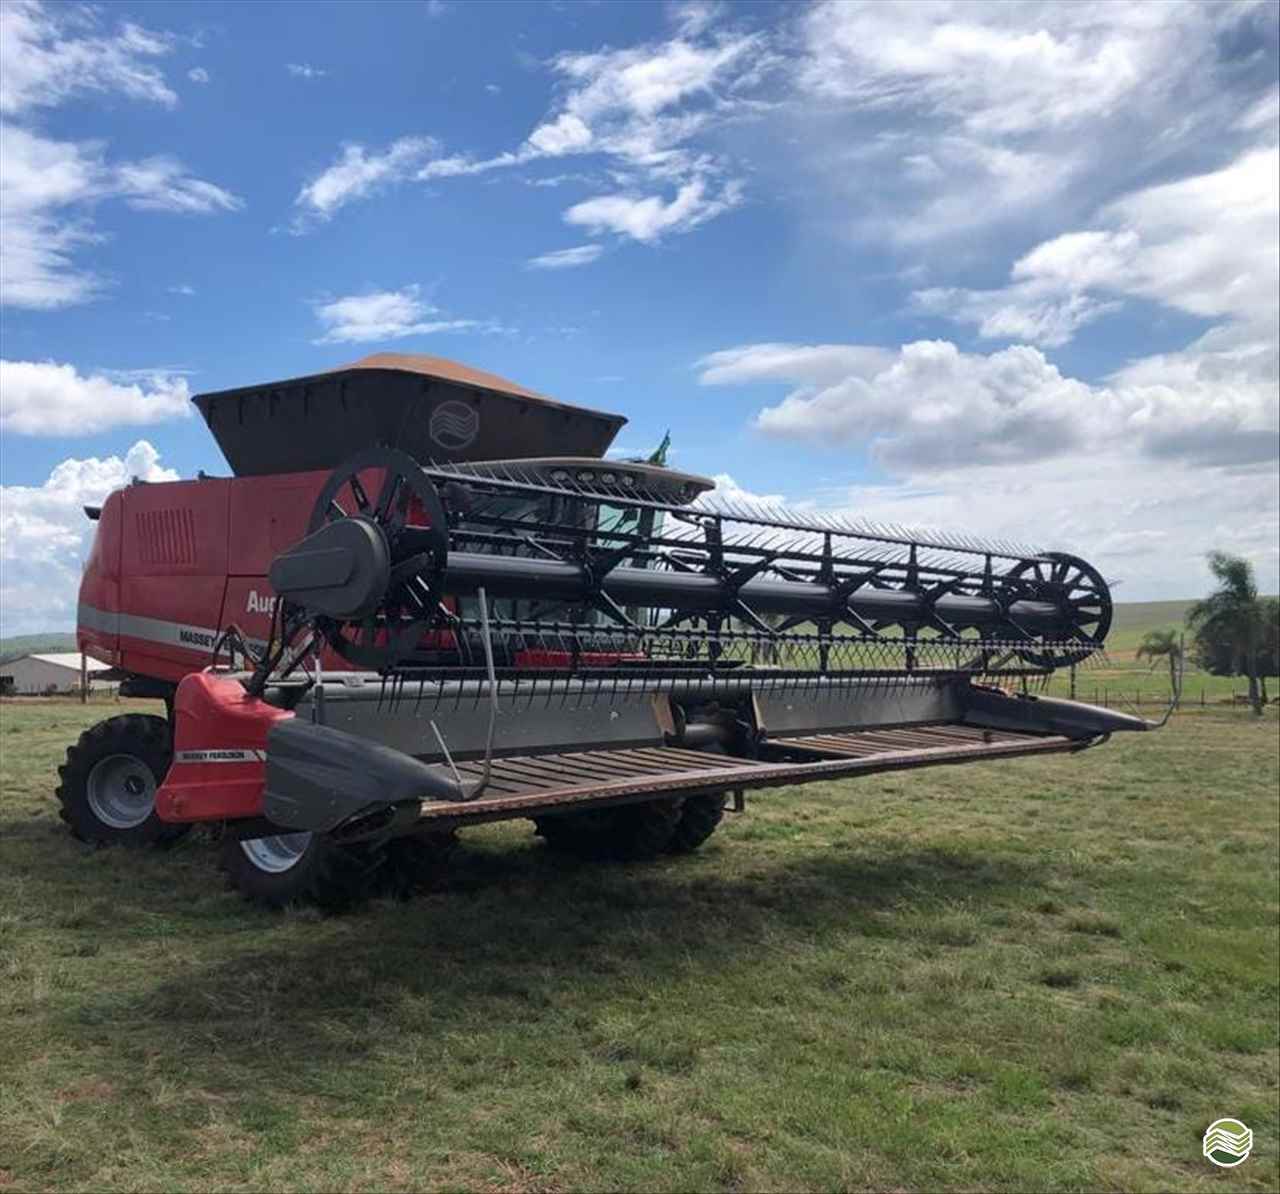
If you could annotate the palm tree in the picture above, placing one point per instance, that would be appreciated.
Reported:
(1232, 615)
(1163, 644)
(1270, 641)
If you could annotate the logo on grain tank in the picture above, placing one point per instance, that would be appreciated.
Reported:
(454, 425)
(260, 605)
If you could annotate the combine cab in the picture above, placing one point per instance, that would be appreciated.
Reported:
(427, 599)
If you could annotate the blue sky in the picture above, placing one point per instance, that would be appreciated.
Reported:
(1006, 267)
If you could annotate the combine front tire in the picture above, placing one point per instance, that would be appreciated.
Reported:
(290, 868)
(107, 786)
(630, 832)
(699, 817)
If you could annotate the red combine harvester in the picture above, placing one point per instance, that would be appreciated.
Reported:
(427, 599)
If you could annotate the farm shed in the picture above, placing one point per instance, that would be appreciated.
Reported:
(35, 674)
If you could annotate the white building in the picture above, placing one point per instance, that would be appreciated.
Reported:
(36, 674)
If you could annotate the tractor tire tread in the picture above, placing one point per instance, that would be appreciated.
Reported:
(699, 819)
(141, 734)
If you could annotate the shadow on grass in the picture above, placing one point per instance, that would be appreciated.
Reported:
(522, 938)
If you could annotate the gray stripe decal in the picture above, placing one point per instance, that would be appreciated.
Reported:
(155, 630)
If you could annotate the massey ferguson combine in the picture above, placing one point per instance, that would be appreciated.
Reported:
(426, 599)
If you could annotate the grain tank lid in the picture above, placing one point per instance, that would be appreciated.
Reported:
(430, 407)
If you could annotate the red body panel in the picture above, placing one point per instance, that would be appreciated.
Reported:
(174, 564)
(219, 751)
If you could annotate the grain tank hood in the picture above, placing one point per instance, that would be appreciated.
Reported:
(429, 407)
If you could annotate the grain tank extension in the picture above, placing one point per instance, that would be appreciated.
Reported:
(428, 598)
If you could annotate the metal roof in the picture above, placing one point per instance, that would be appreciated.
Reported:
(69, 659)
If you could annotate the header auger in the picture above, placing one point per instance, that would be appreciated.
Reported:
(407, 642)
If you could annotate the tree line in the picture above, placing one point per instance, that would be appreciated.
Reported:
(1234, 630)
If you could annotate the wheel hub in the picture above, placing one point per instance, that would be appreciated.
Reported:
(121, 791)
(278, 853)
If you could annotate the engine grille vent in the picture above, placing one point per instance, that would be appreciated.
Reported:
(166, 536)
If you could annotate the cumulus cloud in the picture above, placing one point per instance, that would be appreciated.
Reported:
(47, 398)
(1146, 526)
(358, 173)
(198, 74)
(304, 70)
(1205, 245)
(648, 218)
(929, 405)
(566, 258)
(948, 118)
(45, 536)
(383, 315)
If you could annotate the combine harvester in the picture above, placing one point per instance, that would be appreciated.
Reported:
(427, 600)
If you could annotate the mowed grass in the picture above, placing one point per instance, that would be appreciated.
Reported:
(1046, 974)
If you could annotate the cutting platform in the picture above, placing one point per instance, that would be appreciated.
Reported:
(583, 779)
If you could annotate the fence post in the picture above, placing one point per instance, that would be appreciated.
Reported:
(84, 679)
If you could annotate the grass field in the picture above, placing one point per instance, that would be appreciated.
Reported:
(1047, 974)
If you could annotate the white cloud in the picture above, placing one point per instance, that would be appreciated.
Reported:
(1145, 525)
(304, 70)
(39, 179)
(566, 258)
(649, 218)
(46, 190)
(48, 187)
(198, 74)
(728, 490)
(1016, 313)
(932, 121)
(1205, 245)
(639, 108)
(1003, 69)
(932, 406)
(357, 173)
(1263, 115)
(44, 535)
(44, 60)
(809, 364)
(46, 398)
(159, 184)
(384, 315)
(692, 18)
(183, 289)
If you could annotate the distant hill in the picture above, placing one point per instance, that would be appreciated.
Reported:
(1133, 619)
(35, 644)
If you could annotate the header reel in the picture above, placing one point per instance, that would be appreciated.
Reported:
(597, 568)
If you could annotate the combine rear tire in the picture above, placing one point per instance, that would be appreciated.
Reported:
(289, 868)
(417, 863)
(699, 817)
(107, 786)
(629, 833)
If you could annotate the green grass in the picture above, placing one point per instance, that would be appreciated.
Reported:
(1046, 974)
